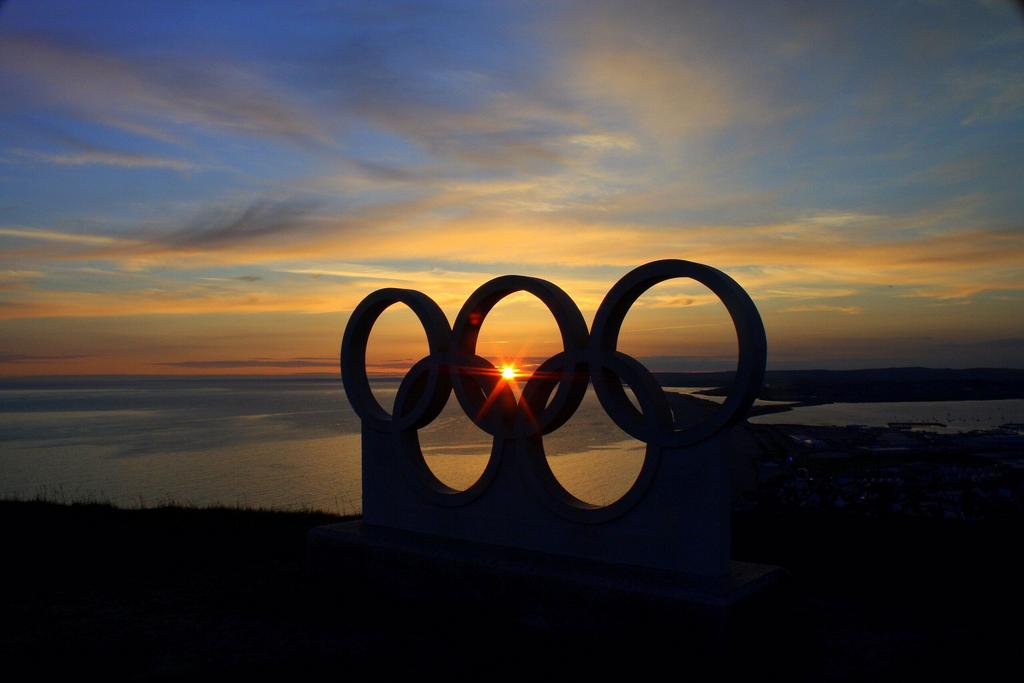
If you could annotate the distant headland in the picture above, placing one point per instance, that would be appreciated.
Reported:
(810, 387)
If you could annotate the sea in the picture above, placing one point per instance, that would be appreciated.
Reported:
(293, 443)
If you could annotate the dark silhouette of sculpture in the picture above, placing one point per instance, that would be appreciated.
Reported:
(675, 516)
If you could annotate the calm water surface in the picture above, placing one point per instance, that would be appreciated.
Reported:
(274, 443)
(294, 443)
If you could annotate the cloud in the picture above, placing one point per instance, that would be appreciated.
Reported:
(150, 96)
(127, 293)
(797, 291)
(436, 277)
(988, 95)
(106, 158)
(20, 274)
(260, 220)
(45, 235)
(681, 72)
(386, 78)
(254, 363)
(6, 357)
(232, 278)
(823, 308)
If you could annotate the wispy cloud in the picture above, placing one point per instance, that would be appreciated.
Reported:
(7, 357)
(261, 220)
(45, 235)
(105, 158)
(988, 96)
(20, 274)
(824, 308)
(149, 96)
(254, 363)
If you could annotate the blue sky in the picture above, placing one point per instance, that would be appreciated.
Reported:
(223, 181)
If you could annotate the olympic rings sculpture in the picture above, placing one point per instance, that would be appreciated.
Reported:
(452, 363)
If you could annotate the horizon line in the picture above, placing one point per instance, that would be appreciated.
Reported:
(336, 375)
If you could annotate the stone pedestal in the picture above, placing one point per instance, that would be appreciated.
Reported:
(676, 517)
(556, 592)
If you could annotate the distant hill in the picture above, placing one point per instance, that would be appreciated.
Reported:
(866, 386)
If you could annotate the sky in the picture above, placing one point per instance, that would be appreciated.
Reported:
(210, 187)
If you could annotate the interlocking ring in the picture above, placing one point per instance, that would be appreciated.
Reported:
(607, 363)
(452, 363)
(426, 384)
(487, 400)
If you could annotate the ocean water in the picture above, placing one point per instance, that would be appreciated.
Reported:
(294, 443)
(281, 443)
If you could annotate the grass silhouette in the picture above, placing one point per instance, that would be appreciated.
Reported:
(173, 592)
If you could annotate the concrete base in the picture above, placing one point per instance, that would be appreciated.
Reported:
(536, 588)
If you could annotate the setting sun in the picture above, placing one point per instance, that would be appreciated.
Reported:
(508, 372)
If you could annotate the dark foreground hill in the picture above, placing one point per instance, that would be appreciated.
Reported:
(175, 594)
